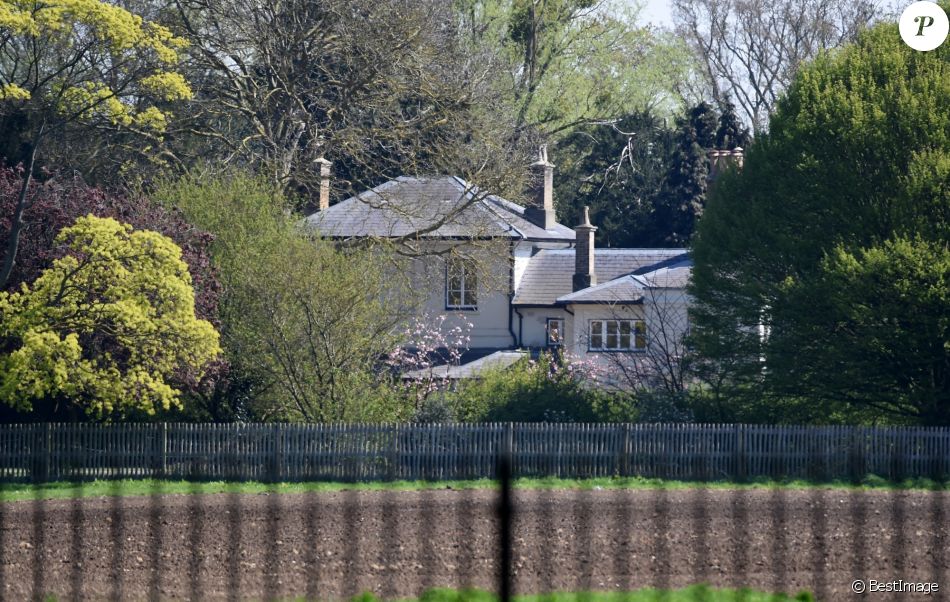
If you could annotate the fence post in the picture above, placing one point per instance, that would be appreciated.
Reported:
(856, 455)
(505, 510)
(508, 447)
(39, 452)
(393, 453)
(164, 444)
(278, 453)
(625, 451)
(49, 452)
(741, 468)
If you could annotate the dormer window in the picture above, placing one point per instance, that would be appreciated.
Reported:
(461, 284)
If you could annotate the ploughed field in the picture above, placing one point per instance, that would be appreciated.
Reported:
(397, 544)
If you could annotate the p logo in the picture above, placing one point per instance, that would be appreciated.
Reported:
(924, 25)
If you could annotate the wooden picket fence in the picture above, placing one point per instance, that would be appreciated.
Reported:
(364, 452)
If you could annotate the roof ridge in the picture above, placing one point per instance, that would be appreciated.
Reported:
(661, 264)
(598, 287)
(674, 253)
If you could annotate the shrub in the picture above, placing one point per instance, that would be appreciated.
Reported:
(548, 389)
(105, 327)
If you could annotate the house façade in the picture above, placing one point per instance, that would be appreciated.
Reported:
(512, 275)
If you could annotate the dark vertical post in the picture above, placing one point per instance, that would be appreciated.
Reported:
(741, 466)
(48, 469)
(392, 468)
(278, 460)
(504, 530)
(625, 451)
(855, 455)
(39, 454)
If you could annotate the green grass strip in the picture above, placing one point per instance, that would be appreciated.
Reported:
(11, 492)
(695, 593)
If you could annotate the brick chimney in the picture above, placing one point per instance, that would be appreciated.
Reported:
(720, 160)
(324, 183)
(541, 213)
(584, 273)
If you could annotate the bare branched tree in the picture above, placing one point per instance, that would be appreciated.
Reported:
(656, 377)
(380, 88)
(750, 49)
(662, 365)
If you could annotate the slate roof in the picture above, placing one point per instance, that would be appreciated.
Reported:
(549, 275)
(673, 273)
(498, 359)
(430, 208)
(624, 289)
(629, 288)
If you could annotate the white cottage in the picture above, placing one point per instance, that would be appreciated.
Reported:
(521, 280)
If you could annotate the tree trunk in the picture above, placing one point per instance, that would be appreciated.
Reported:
(16, 224)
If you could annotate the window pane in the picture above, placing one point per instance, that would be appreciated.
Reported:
(612, 341)
(640, 328)
(453, 283)
(625, 340)
(470, 298)
(596, 336)
(471, 276)
(555, 328)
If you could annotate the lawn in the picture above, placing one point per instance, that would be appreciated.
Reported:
(11, 492)
(695, 593)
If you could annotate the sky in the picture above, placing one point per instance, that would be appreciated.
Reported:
(657, 12)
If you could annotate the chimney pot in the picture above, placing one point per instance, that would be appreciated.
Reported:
(720, 159)
(738, 156)
(324, 182)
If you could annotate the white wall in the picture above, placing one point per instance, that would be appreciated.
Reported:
(522, 254)
(500, 263)
(534, 324)
(665, 314)
(489, 322)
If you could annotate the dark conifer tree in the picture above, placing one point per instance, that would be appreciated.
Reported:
(618, 170)
(704, 121)
(731, 133)
(684, 195)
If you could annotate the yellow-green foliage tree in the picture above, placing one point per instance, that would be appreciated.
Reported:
(81, 61)
(106, 327)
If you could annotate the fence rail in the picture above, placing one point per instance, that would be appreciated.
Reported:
(363, 452)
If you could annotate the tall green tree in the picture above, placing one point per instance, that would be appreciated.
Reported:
(821, 270)
(83, 62)
(303, 323)
(564, 63)
(731, 133)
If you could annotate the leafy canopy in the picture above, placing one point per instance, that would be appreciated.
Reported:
(563, 63)
(87, 60)
(106, 326)
(821, 269)
(304, 323)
